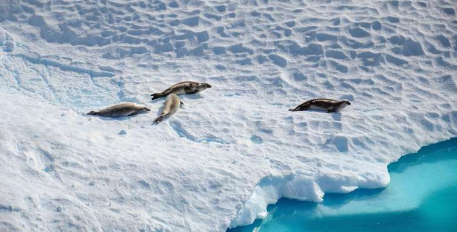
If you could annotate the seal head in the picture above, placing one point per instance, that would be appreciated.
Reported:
(203, 86)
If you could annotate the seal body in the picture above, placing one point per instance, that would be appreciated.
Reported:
(185, 87)
(120, 110)
(172, 104)
(324, 104)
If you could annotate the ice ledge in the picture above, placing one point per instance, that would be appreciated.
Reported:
(304, 188)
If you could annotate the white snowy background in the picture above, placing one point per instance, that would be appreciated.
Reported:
(233, 148)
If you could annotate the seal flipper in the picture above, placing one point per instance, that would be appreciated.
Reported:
(158, 119)
(92, 113)
(132, 114)
(295, 109)
(300, 108)
(332, 110)
(191, 91)
(157, 95)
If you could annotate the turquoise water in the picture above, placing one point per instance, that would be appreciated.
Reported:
(422, 196)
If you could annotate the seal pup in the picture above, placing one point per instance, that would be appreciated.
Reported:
(328, 105)
(185, 87)
(172, 104)
(120, 110)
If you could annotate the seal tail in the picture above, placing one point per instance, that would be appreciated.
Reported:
(92, 113)
(158, 119)
(157, 95)
(298, 108)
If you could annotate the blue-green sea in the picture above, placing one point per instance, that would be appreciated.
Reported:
(422, 196)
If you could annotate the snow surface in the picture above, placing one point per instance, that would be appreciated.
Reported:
(234, 148)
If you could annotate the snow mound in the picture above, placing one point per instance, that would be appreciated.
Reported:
(234, 148)
(7, 42)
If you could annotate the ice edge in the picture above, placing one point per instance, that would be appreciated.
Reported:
(306, 188)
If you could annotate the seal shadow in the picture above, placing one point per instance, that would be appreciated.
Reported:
(116, 118)
(182, 96)
(191, 96)
(160, 109)
(335, 115)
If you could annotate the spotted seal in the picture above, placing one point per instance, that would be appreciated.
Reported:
(120, 110)
(328, 105)
(185, 87)
(172, 104)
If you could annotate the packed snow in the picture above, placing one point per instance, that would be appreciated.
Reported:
(233, 149)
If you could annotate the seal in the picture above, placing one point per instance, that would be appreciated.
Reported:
(185, 87)
(172, 104)
(120, 110)
(328, 105)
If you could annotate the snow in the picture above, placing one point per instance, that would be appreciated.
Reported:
(233, 148)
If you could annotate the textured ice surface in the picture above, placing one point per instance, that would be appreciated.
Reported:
(234, 148)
